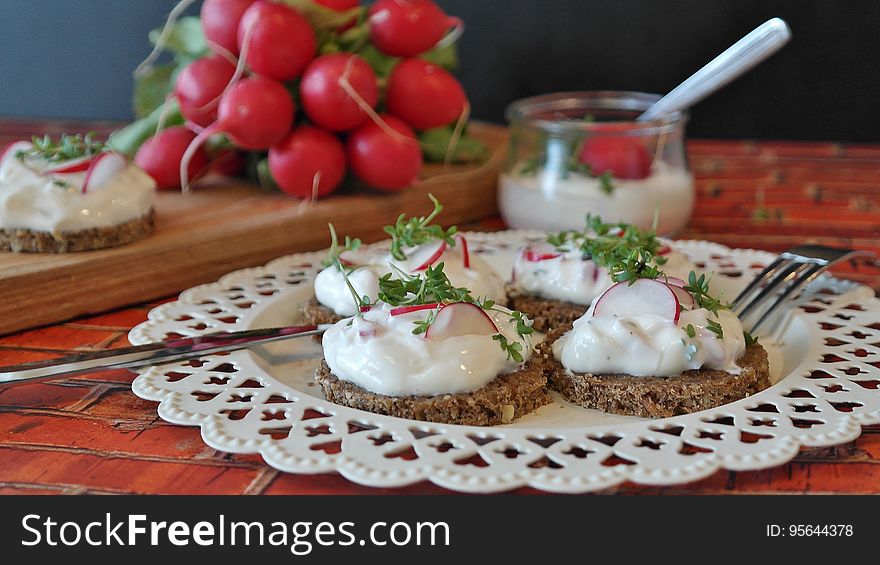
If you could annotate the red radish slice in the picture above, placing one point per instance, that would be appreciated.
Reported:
(102, 170)
(540, 253)
(460, 318)
(366, 308)
(12, 147)
(675, 281)
(76, 166)
(663, 250)
(465, 254)
(645, 296)
(427, 255)
(414, 308)
(684, 297)
(351, 258)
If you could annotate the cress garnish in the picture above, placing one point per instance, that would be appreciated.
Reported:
(411, 232)
(67, 147)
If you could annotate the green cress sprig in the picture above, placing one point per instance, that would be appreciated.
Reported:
(627, 252)
(335, 250)
(435, 287)
(410, 232)
(66, 148)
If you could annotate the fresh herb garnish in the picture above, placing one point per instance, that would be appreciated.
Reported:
(750, 339)
(690, 330)
(699, 289)
(66, 148)
(335, 250)
(513, 349)
(417, 231)
(714, 327)
(627, 252)
(361, 302)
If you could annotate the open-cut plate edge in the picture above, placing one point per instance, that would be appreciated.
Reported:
(562, 460)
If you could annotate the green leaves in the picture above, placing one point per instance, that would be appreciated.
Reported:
(152, 87)
(698, 286)
(435, 145)
(66, 148)
(323, 18)
(335, 250)
(410, 232)
(185, 41)
(128, 139)
(714, 327)
(513, 349)
(403, 289)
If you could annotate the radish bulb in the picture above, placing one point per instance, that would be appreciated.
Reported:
(255, 114)
(623, 157)
(220, 19)
(160, 157)
(406, 28)
(386, 160)
(458, 319)
(281, 42)
(103, 167)
(308, 163)
(341, 6)
(425, 95)
(198, 88)
(644, 296)
(325, 99)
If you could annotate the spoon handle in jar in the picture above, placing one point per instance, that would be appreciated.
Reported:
(740, 57)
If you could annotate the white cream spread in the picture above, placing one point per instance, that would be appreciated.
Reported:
(379, 352)
(651, 345)
(567, 276)
(32, 199)
(546, 201)
(332, 292)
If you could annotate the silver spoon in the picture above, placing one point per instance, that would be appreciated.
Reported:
(740, 57)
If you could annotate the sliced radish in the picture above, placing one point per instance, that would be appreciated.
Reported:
(400, 310)
(102, 169)
(353, 258)
(663, 250)
(684, 297)
(645, 296)
(465, 254)
(540, 253)
(75, 166)
(12, 147)
(675, 281)
(427, 254)
(365, 308)
(460, 318)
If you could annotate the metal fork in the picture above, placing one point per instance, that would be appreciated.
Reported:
(796, 268)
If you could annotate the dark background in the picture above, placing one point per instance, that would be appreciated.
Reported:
(73, 58)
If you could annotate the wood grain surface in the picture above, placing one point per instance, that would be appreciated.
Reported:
(92, 435)
(222, 227)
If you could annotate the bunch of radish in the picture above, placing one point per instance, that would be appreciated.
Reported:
(317, 88)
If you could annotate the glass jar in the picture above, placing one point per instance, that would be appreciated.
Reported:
(574, 153)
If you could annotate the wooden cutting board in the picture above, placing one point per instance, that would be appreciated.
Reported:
(216, 229)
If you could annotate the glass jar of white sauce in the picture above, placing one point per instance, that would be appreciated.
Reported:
(575, 153)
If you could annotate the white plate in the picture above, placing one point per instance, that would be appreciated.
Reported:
(826, 352)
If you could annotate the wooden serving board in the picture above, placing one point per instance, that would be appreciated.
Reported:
(216, 229)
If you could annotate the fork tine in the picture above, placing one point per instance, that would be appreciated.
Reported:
(765, 274)
(807, 275)
(782, 276)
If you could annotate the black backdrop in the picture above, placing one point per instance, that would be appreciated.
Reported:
(73, 58)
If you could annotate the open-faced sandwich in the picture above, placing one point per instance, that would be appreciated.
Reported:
(416, 245)
(73, 194)
(555, 281)
(655, 346)
(427, 350)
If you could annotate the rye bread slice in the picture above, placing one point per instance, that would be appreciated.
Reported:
(314, 313)
(30, 241)
(660, 397)
(546, 313)
(507, 397)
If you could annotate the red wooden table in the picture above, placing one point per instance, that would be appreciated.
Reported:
(92, 435)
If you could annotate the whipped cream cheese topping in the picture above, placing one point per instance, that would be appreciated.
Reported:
(32, 199)
(650, 344)
(565, 275)
(332, 292)
(379, 353)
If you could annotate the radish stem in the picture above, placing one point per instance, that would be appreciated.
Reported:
(147, 64)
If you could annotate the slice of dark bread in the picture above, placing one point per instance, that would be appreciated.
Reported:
(507, 397)
(660, 397)
(314, 313)
(546, 313)
(30, 241)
